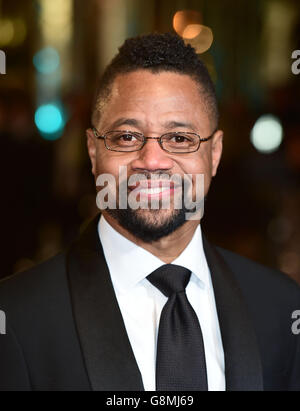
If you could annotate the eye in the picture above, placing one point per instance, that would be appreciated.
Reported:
(127, 137)
(180, 138)
(124, 138)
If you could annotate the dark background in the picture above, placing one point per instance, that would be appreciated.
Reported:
(47, 188)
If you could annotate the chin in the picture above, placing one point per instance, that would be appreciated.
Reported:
(149, 225)
(155, 218)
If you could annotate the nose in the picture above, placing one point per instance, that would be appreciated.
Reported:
(152, 158)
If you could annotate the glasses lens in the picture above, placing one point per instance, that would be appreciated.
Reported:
(124, 141)
(180, 142)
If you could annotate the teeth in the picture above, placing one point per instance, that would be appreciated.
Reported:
(155, 190)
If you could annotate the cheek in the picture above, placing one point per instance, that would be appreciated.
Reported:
(197, 165)
(114, 164)
(105, 167)
(204, 181)
(107, 162)
(200, 165)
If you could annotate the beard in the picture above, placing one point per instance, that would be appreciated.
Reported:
(149, 225)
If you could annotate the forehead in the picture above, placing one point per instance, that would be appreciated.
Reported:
(155, 98)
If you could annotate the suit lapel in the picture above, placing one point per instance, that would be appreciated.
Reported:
(108, 355)
(243, 370)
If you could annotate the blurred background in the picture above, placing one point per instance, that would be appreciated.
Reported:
(55, 51)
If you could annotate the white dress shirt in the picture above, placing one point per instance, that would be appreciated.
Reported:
(141, 303)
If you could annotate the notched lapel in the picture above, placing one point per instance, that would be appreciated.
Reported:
(109, 359)
(243, 369)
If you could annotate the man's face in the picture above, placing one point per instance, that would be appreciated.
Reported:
(154, 104)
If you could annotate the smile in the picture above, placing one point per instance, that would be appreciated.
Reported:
(154, 189)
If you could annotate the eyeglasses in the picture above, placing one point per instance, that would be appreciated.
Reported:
(176, 142)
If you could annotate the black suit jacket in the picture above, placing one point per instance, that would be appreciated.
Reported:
(65, 330)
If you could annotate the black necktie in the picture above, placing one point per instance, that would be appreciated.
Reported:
(180, 360)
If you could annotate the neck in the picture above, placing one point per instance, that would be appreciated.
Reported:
(167, 248)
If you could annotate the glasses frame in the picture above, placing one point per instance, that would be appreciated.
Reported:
(159, 139)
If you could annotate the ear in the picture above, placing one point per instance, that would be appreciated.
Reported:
(91, 146)
(216, 150)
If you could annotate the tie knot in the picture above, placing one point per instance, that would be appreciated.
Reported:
(170, 279)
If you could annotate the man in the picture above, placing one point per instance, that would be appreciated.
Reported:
(142, 301)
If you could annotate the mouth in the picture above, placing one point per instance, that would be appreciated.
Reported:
(154, 189)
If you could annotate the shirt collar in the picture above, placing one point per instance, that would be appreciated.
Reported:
(129, 263)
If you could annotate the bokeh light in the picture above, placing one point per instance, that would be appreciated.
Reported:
(47, 60)
(267, 134)
(191, 31)
(198, 36)
(184, 18)
(56, 21)
(49, 119)
(20, 32)
(188, 24)
(6, 32)
(12, 32)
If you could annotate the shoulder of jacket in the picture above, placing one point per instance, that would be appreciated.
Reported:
(33, 280)
(247, 270)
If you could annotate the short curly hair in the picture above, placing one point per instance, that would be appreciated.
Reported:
(157, 53)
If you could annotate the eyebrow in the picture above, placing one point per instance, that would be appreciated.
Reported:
(136, 123)
(177, 124)
(125, 121)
